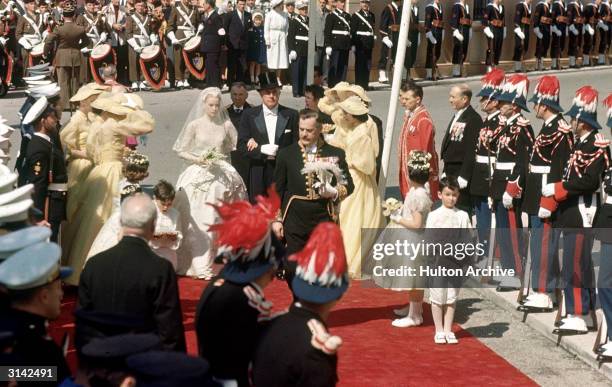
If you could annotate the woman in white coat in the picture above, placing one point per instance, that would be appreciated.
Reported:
(276, 28)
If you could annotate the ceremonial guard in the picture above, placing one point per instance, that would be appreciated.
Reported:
(605, 31)
(414, 36)
(512, 159)
(68, 39)
(459, 142)
(522, 27)
(551, 150)
(297, 43)
(434, 27)
(362, 28)
(337, 43)
(574, 200)
(237, 24)
(182, 25)
(233, 304)
(95, 26)
(213, 37)
(139, 35)
(116, 18)
(390, 19)
(9, 15)
(461, 23)
(576, 22)
(591, 19)
(603, 223)
(321, 280)
(290, 7)
(486, 147)
(46, 165)
(28, 32)
(495, 31)
(32, 278)
(542, 22)
(559, 32)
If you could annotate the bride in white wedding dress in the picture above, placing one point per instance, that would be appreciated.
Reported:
(205, 143)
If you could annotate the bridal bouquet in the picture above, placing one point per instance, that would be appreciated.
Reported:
(390, 206)
(211, 155)
(325, 169)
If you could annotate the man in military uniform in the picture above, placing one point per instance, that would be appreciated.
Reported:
(46, 165)
(461, 23)
(68, 39)
(512, 159)
(33, 280)
(139, 35)
(96, 29)
(9, 16)
(237, 25)
(213, 38)
(522, 26)
(551, 150)
(542, 21)
(362, 28)
(116, 18)
(591, 19)
(576, 23)
(559, 33)
(297, 43)
(495, 31)
(337, 43)
(182, 24)
(312, 358)
(290, 7)
(573, 202)
(434, 26)
(605, 31)
(390, 19)
(28, 32)
(233, 304)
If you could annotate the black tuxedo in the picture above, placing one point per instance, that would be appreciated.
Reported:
(237, 31)
(211, 47)
(458, 151)
(131, 279)
(239, 161)
(253, 125)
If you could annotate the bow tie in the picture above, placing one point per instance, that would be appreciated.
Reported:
(270, 114)
(238, 110)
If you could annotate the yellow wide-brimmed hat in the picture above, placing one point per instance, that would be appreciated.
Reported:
(86, 92)
(111, 103)
(354, 106)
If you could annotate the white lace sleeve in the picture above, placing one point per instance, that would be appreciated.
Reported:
(231, 137)
(184, 142)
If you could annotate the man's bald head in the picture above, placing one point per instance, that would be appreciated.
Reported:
(138, 215)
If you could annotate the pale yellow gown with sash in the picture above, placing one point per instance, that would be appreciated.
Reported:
(363, 208)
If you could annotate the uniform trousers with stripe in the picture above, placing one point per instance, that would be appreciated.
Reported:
(298, 75)
(577, 272)
(604, 284)
(480, 205)
(509, 235)
(338, 65)
(363, 65)
(544, 249)
(494, 47)
(434, 50)
(557, 44)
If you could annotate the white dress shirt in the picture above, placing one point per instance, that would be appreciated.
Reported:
(457, 115)
(271, 116)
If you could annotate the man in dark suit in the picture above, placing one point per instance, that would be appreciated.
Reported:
(130, 279)
(239, 94)
(237, 25)
(213, 37)
(263, 130)
(459, 144)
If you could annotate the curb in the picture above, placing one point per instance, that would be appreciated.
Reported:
(578, 345)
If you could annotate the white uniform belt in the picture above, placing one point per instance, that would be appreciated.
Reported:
(62, 187)
(184, 28)
(504, 166)
(609, 199)
(539, 168)
(480, 159)
(364, 33)
(300, 37)
(140, 36)
(31, 36)
(340, 32)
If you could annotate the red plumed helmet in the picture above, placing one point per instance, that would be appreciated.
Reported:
(494, 78)
(586, 98)
(245, 226)
(322, 261)
(548, 87)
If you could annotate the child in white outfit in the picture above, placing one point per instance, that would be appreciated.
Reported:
(443, 299)
(168, 236)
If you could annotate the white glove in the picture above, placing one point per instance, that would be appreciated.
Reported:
(408, 43)
(490, 202)
(328, 51)
(395, 217)
(328, 192)
(221, 32)
(548, 190)
(173, 39)
(602, 25)
(544, 213)
(25, 43)
(507, 200)
(387, 42)
(431, 37)
(85, 50)
(353, 49)
(269, 149)
(10, 4)
(103, 37)
(462, 182)
(153, 38)
(538, 33)
(3, 41)
(505, 32)
(519, 33)
(132, 43)
(574, 30)
(45, 34)
(458, 35)
(200, 28)
(292, 56)
(590, 29)
(443, 175)
(487, 31)
(138, 50)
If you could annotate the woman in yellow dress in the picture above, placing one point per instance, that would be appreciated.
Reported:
(363, 208)
(120, 116)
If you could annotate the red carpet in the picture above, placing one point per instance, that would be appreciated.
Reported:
(374, 353)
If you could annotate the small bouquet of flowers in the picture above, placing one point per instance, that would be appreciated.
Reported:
(210, 156)
(390, 206)
(325, 170)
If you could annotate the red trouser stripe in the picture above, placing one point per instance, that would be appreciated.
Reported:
(544, 256)
(515, 246)
(577, 275)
